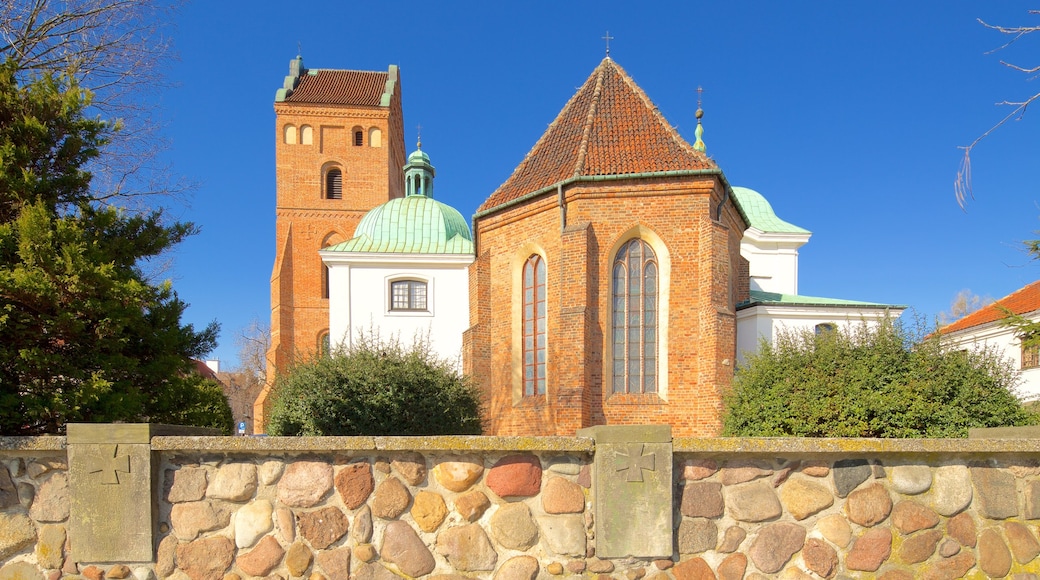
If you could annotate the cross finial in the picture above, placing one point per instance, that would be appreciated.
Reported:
(418, 136)
(299, 48)
(608, 38)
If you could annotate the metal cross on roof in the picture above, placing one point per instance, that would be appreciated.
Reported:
(608, 38)
(418, 136)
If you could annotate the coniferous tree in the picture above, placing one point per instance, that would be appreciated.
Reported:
(84, 335)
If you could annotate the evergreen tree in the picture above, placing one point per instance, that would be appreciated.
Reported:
(84, 335)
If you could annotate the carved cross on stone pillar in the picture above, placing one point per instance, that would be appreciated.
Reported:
(634, 463)
(110, 467)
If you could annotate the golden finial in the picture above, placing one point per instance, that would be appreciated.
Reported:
(699, 143)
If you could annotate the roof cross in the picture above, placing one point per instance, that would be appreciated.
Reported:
(418, 136)
(608, 38)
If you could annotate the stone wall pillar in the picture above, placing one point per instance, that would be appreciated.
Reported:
(113, 495)
(632, 490)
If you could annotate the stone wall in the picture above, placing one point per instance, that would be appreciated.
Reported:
(508, 508)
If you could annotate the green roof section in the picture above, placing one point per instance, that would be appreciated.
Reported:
(410, 225)
(760, 298)
(413, 224)
(760, 215)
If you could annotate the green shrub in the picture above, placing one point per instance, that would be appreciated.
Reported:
(870, 381)
(375, 388)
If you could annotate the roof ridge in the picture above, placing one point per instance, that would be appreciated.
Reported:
(590, 118)
(991, 312)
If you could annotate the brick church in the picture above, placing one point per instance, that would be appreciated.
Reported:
(606, 272)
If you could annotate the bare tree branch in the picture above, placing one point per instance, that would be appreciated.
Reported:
(962, 187)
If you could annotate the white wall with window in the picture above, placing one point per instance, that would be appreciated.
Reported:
(402, 296)
(1003, 339)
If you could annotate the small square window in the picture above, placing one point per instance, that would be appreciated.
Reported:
(1030, 357)
(408, 295)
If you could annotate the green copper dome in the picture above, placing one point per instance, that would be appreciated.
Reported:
(413, 224)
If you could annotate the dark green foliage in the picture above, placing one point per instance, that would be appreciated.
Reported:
(870, 381)
(84, 336)
(375, 388)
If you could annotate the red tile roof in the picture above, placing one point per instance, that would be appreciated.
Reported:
(339, 87)
(609, 127)
(1022, 301)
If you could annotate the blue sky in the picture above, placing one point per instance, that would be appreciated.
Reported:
(845, 115)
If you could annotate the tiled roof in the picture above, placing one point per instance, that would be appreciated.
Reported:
(339, 87)
(1022, 301)
(609, 127)
(759, 214)
(759, 297)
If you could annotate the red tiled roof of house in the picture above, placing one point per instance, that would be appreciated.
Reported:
(1022, 301)
(609, 127)
(340, 87)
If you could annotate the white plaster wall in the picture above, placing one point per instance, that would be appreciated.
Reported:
(1003, 340)
(772, 270)
(767, 321)
(359, 301)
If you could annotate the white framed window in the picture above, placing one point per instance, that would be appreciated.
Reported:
(409, 296)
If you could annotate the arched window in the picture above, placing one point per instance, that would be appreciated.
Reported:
(324, 344)
(289, 135)
(534, 326)
(408, 295)
(325, 287)
(375, 137)
(334, 184)
(634, 300)
(306, 135)
(359, 136)
(825, 327)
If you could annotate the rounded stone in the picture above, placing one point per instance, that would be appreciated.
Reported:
(460, 474)
(702, 499)
(697, 535)
(513, 527)
(1022, 542)
(869, 506)
(775, 544)
(467, 548)
(233, 482)
(911, 479)
(565, 465)
(354, 483)
(733, 567)
(252, 521)
(919, 547)
(164, 556)
(428, 510)
(362, 533)
(411, 467)
(305, 483)
(804, 498)
(403, 548)
(261, 560)
(50, 547)
(564, 534)
(322, 527)
(515, 476)
(597, 566)
(519, 568)
(820, 557)
(994, 557)
(51, 503)
(740, 472)
(997, 494)
(19, 571)
(697, 469)
(815, 469)
(692, 569)
(298, 558)
(961, 527)
(186, 484)
(472, 505)
(192, 518)
(731, 539)
(754, 502)
(951, 489)
(870, 550)
(365, 552)
(554, 568)
(336, 564)
(206, 559)
(909, 517)
(286, 524)
(270, 471)
(561, 496)
(391, 499)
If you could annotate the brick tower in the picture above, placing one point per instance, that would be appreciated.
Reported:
(339, 150)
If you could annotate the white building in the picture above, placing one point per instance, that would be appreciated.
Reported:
(770, 245)
(404, 274)
(985, 328)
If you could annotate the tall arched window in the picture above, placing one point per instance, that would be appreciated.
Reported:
(290, 135)
(359, 136)
(534, 326)
(634, 299)
(375, 137)
(334, 184)
(306, 135)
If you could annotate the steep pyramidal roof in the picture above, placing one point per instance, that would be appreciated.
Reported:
(1022, 301)
(609, 127)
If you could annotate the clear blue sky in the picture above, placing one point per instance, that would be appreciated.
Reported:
(845, 115)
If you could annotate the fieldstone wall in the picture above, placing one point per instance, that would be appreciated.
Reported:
(512, 508)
